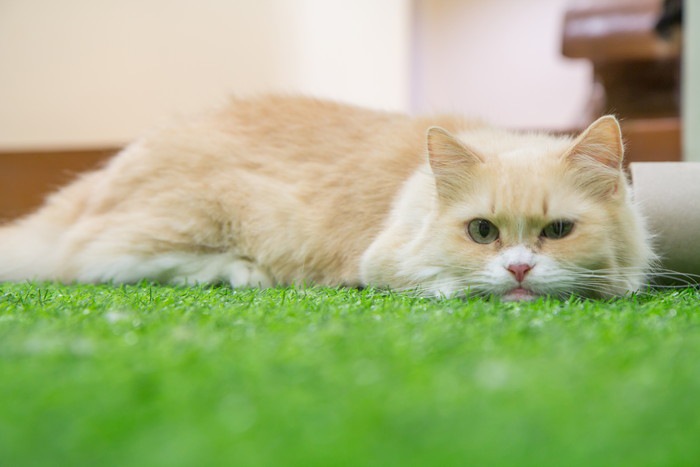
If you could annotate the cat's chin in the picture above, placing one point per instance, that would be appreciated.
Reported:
(519, 295)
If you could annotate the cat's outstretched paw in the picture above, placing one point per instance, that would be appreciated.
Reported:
(245, 273)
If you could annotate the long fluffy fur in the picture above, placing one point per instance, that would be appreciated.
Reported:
(283, 190)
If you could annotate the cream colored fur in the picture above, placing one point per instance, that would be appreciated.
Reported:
(281, 190)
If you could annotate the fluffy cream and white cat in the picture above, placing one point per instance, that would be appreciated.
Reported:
(281, 190)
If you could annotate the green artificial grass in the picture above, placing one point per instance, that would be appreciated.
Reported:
(152, 375)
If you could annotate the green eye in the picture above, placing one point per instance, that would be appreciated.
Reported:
(482, 231)
(557, 229)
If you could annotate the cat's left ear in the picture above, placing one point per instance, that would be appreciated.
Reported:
(451, 162)
(597, 154)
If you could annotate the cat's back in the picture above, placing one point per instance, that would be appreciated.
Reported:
(290, 138)
(310, 131)
(320, 153)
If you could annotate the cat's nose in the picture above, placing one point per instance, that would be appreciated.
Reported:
(519, 271)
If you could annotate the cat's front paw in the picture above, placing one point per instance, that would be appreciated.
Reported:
(245, 273)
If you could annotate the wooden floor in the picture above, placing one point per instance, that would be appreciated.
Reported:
(27, 177)
(653, 140)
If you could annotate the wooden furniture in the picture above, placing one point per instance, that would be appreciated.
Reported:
(636, 71)
(26, 178)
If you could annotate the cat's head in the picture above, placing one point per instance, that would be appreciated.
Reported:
(527, 215)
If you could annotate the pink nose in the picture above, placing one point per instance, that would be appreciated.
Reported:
(519, 271)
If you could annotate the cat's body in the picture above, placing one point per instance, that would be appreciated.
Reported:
(291, 190)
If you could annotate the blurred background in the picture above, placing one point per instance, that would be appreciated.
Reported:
(81, 78)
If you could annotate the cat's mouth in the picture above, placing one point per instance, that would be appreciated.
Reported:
(519, 294)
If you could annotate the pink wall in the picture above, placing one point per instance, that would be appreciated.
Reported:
(496, 59)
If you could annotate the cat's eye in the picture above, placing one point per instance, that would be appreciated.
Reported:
(482, 231)
(557, 229)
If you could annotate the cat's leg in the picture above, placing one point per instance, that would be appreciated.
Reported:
(183, 268)
(245, 273)
(125, 253)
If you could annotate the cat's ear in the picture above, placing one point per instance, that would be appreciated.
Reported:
(596, 156)
(450, 160)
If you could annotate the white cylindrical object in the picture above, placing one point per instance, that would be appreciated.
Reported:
(669, 196)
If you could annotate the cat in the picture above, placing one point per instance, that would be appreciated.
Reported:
(279, 190)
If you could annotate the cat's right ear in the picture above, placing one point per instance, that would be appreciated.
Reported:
(451, 162)
(596, 157)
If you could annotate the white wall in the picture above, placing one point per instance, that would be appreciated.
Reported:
(497, 59)
(357, 51)
(100, 72)
(91, 72)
